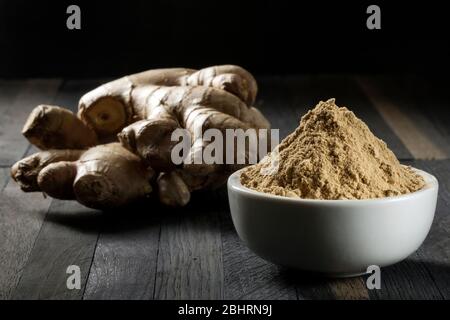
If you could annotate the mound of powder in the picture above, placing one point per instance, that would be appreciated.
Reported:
(332, 155)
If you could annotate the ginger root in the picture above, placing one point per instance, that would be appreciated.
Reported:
(119, 144)
(54, 127)
(104, 176)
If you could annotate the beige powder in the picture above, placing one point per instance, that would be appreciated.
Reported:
(333, 155)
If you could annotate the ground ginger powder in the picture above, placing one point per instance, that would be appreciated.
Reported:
(332, 155)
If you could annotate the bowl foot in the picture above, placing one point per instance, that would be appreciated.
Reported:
(343, 274)
(317, 274)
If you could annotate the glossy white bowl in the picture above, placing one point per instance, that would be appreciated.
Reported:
(336, 238)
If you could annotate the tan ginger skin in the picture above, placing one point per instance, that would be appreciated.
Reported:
(82, 159)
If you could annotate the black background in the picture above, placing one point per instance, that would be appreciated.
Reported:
(266, 37)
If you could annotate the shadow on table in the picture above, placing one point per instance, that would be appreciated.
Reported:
(409, 279)
(139, 215)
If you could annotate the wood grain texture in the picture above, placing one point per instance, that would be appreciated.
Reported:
(433, 103)
(349, 289)
(409, 279)
(277, 101)
(8, 93)
(68, 237)
(415, 131)
(58, 244)
(4, 177)
(247, 276)
(124, 264)
(9, 89)
(435, 251)
(316, 287)
(190, 252)
(21, 215)
(424, 102)
(31, 94)
(21, 218)
(125, 255)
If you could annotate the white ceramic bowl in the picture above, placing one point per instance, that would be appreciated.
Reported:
(334, 237)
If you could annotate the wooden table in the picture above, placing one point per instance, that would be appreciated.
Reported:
(151, 252)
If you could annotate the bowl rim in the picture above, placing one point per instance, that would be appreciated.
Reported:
(431, 183)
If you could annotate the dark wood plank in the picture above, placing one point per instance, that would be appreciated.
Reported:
(4, 177)
(435, 253)
(315, 287)
(32, 93)
(9, 90)
(424, 99)
(68, 237)
(407, 116)
(126, 250)
(434, 104)
(349, 288)
(21, 218)
(124, 265)
(21, 215)
(8, 93)
(59, 244)
(190, 252)
(409, 279)
(276, 100)
(247, 276)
